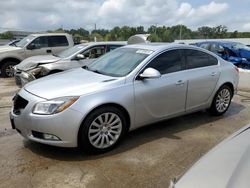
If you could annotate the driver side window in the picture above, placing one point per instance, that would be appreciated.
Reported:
(94, 52)
(168, 62)
(40, 42)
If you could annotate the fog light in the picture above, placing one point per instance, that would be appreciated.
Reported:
(50, 137)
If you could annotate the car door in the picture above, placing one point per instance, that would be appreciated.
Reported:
(58, 43)
(165, 96)
(202, 74)
(39, 46)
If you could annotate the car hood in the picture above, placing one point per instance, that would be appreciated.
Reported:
(74, 82)
(9, 49)
(32, 62)
(225, 166)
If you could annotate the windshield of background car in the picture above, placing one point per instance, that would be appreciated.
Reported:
(25, 41)
(119, 62)
(240, 46)
(71, 51)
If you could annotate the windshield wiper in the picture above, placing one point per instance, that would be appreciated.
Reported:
(85, 67)
(96, 71)
(92, 70)
(55, 55)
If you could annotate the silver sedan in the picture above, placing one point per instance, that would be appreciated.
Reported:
(96, 105)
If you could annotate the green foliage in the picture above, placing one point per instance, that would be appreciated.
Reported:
(158, 33)
(6, 35)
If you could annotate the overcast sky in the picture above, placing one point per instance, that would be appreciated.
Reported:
(42, 15)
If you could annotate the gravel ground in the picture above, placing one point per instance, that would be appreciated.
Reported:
(148, 157)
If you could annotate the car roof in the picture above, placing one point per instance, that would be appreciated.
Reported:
(104, 43)
(219, 42)
(49, 34)
(161, 46)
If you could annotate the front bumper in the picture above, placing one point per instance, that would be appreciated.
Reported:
(22, 78)
(64, 125)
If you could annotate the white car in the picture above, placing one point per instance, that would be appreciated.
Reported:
(226, 166)
(32, 45)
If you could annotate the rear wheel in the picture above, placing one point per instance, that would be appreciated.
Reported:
(7, 69)
(102, 129)
(221, 101)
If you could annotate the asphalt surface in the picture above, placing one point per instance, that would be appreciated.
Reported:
(148, 157)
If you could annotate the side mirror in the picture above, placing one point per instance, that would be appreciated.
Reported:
(31, 46)
(80, 56)
(150, 73)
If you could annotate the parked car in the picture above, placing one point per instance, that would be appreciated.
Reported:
(74, 57)
(34, 44)
(235, 52)
(94, 106)
(226, 166)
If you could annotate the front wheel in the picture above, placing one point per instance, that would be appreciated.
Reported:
(221, 101)
(102, 129)
(7, 69)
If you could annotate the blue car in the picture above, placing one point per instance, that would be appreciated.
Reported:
(235, 52)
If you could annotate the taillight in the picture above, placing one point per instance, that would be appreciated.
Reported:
(237, 69)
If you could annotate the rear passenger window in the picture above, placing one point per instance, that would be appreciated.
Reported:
(197, 59)
(167, 62)
(56, 41)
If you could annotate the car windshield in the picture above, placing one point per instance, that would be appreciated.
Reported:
(240, 46)
(71, 51)
(119, 62)
(25, 41)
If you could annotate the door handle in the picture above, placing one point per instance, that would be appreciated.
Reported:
(213, 73)
(48, 51)
(180, 82)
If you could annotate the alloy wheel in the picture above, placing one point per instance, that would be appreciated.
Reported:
(105, 130)
(223, 100)
(9, 71)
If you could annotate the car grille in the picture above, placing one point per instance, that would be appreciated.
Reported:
(19, 104)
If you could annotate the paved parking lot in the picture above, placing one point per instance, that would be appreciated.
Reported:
(148, 157)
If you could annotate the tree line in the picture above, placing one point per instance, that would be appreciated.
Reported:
(158, 33)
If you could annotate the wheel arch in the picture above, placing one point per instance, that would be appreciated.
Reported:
(13, 59)
(229, 84)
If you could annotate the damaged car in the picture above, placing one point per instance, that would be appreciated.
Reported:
(74, 57)
(234, 52)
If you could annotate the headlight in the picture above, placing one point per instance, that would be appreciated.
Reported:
(54, 106)
(35, 71)
(243, 59)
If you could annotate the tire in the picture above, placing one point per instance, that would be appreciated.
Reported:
(221, 101)
(7, 69)
(102, 130)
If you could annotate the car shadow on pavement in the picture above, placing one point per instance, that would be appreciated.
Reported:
(165, 129)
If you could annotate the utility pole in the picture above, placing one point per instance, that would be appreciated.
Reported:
(180, 31)
(155, 27)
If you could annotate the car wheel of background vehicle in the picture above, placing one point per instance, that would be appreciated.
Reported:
(102, 129)
(7, 69)
(221, 101)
